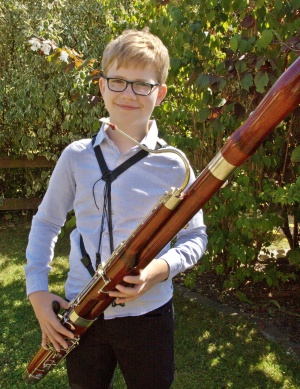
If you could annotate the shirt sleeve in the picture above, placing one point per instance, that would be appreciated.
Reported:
(190, 244)
(47, 223)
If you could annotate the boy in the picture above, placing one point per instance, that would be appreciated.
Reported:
(137, 331)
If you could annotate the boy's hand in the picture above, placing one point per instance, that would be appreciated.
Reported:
(52, 329)
(157, 271)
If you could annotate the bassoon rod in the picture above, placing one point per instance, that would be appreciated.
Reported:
(279, 102)
(141, 247)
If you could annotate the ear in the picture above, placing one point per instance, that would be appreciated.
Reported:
(102, 85)
(162, 91)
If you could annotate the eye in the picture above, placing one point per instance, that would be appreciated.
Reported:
(117, 81)
(142, 84)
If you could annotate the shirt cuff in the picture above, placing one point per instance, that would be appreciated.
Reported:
(174, 261)
(36, 283)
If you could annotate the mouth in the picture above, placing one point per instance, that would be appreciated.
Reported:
(127, 107)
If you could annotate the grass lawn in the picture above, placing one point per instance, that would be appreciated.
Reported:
(212, 351)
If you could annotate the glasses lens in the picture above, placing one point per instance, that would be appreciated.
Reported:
(141, 88)
(116, 84)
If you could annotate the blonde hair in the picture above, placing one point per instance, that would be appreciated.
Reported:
(138, 48)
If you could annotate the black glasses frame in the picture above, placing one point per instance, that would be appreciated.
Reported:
(130, 83)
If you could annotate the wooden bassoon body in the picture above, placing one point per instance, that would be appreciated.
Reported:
(168, 217)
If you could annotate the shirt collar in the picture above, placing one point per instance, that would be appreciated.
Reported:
(149, 140)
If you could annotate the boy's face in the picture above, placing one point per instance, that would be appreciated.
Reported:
(127, 108)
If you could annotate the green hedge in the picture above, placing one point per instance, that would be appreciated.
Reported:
(225, 56)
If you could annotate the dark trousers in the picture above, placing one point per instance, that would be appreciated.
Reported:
(143, 346)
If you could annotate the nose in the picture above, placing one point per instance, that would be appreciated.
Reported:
(129, 91)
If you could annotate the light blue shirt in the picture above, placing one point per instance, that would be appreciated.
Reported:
(75, 184)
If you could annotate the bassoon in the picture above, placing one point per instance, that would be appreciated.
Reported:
(167, 218)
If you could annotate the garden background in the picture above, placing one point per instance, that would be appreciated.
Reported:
(225, 56)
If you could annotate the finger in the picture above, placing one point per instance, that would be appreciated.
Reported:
(57, 345)
(64, 304)
(117, 294)
(127, 291)
(62, 330)
(56, 334)
(57, 340)
(44, 339)
(53, 325)
(119, 301)
(133, 279)
(48, 336)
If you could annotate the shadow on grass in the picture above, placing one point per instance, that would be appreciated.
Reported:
(218, 351)
(212, 350)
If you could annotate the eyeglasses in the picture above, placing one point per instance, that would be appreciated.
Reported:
(140, 88)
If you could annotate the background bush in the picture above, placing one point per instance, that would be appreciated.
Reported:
(225, 56)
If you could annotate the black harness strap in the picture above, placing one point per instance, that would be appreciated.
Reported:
(111, 175)
(108, 176)
(86, 260)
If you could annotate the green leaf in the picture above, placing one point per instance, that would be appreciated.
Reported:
(267, 161)
(234, 42)
(295, 4)
(202, 81)
(296, 154)
(278, 5)
(269, 280)
(175, 63)
(177, 14)
(241, 66)
(276, 303)
(294, 257)
(243, 46)
(203, 114)
(247, 81)
(261, 80)
(259, 3)
(50, 98)
(211, 15)
(242, 297)
(265, 39)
